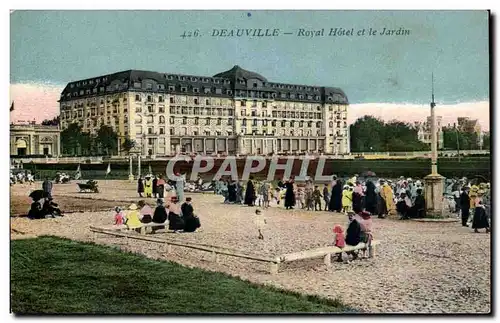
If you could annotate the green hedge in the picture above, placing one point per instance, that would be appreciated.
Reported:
(447, 167)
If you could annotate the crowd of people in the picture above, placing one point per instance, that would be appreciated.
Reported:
(179, 217)
(403, 197)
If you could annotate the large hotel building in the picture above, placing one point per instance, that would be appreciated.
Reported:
(233, 112)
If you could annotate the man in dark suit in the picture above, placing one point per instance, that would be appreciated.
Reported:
(465, 205)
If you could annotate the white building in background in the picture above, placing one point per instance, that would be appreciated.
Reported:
(425, 134)
(233, 112)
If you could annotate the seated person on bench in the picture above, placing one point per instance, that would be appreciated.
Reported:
(353, 236)
(133, 221)
(160, 215)
(191, 221)
(175, 222)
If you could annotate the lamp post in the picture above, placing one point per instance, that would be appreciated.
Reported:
(433, 182)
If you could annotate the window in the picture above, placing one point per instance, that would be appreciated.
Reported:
(243, 112)
(206, 90)
(229, 92)
(160, 98)
(161, 87)
(161, 109)
(219, 121)
(137, 98)
(243, 103)
(150, 119)
(309, 123)
(264, 104)
(230, 113)
(254, 122)
(292, 123)
(283, 123)
(218, 91)
(162, 119)
(172, 131)
(150, 109)
(254, 84)
(196, 101)
(318, 124)
(244, 122)
(207, 102)
(331, 124)
(172, 100)
(229, 122)
(196, 90)
(162, 130)
(138, 130)
(207, 121)
(183, 89)
(171, 88)
(196, 121)
(150, 132)
(273, 123)
(184, 120)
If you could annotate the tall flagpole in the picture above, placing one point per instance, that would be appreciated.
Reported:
(434, 169)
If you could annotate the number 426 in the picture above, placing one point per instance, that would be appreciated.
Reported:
(191, 33)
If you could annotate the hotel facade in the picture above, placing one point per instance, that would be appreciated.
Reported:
(233, 112)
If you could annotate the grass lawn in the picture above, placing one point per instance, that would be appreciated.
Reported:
(54, 275)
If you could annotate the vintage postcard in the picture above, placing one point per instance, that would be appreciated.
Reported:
(250, 161)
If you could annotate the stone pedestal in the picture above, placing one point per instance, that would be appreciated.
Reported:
(433, 192)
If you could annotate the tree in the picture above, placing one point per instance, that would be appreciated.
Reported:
(466, 141)
(367, 134)
(128, 144)
(70, 139)
(486, 141)
(372, 134)
(107, 139)
(53, 122)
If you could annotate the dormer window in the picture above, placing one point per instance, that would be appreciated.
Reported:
(171, 88)
(183, 89)
(216, 81)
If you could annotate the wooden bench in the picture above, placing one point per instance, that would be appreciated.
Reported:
(143, 227)
(326, 252)
(167, 246)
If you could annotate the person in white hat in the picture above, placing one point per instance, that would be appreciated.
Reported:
(133, 221)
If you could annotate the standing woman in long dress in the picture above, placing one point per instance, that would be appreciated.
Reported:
(480, 220)
(336, 199)
(179, 187)
(140, 186)
(370, 198)
(250, 193)
(289, 195)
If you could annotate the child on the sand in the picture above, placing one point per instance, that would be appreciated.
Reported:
(260, 222)
(119, 216)
(339, 239)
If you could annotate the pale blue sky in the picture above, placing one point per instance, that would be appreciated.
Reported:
(61, 46)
